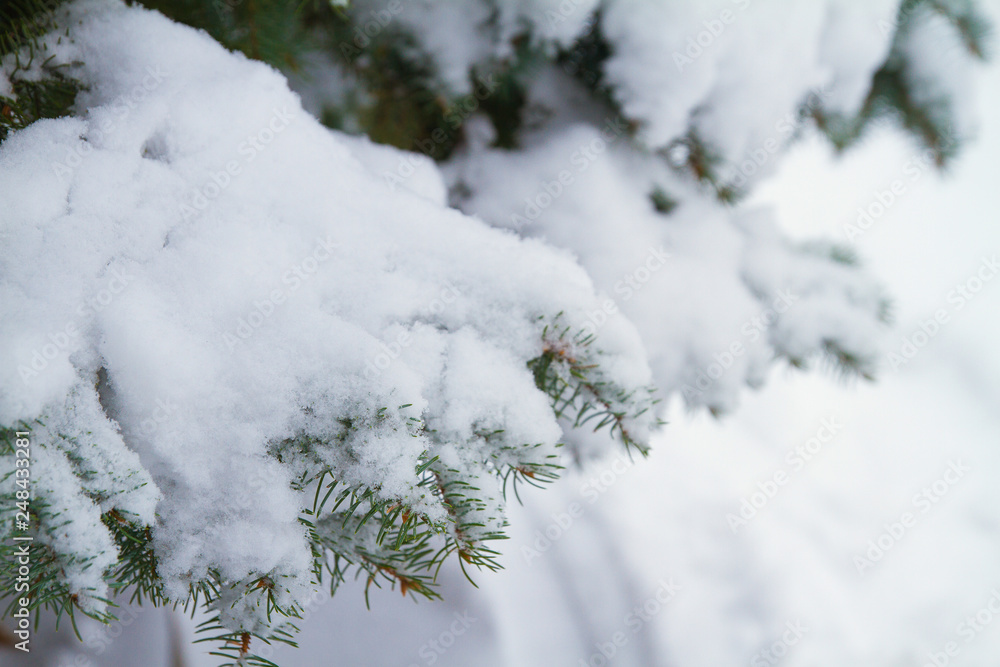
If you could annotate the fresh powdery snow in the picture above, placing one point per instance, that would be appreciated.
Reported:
(731, 74)
(716, 294)
(196, 272)
(221, 273)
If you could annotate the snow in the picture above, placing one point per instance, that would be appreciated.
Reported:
(478, 34)
(794, 562)
(242, 278)
(711, 85)
(436, 24)
(732, 75)
(555, 22)
(584, 189)
(199, 275)
(939, 72)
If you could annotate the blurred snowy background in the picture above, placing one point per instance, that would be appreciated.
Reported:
(823, 523)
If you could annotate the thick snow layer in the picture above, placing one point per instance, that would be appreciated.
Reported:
(732, 73)
(455, 40)
(558, 602)
(740, 78)
(242, 277)
(716, 294)
(938, 71)
(558, 22)
(461, 37)
(721, 71)
(197, 270)
(706, 66)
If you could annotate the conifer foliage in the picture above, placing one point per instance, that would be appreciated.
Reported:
(278, 356)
